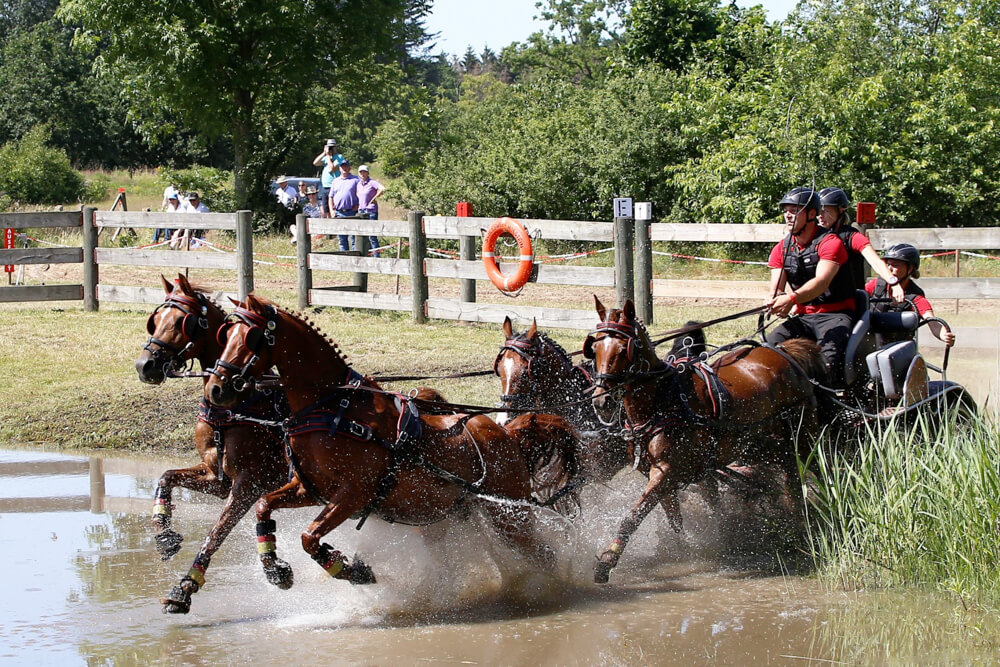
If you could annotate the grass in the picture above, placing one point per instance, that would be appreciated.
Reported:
(918, 507)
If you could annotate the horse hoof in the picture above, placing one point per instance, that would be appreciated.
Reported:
(280, 574)
(168, 543)
(602, 572)
(359, 573)
(177, 601)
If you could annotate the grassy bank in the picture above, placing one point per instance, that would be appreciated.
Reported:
(913, 508)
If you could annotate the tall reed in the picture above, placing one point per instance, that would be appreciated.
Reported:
(916, 507)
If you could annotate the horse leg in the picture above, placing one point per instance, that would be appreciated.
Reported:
(654, 492)
(671, 504)
(517, 528)
(197, 478)
(342, 506)
(293, 494)
(241, 498)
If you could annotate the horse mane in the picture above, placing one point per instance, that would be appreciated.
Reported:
(330, 345)
(560, 350)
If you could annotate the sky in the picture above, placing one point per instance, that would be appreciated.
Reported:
(497, 23)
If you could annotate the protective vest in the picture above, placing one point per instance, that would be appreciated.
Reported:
(800, 267)
(882, 292)
(855, 266)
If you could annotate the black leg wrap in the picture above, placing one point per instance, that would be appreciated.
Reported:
(266, 527)
(162, 492)
(325, 554)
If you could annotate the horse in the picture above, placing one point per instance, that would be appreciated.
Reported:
(537, 373)
(688, 419)
(360, 450)
(241, 458)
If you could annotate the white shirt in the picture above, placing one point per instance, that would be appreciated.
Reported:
(287, 196)
(201, 208)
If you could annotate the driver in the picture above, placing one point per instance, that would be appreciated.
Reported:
(811, 264)
(904, 262)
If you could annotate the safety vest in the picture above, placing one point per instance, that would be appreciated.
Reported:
(855, 266)
(882, 292)
(800, 267)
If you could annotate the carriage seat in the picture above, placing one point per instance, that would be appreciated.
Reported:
(859, 333)
(891, 323)
(890, 365)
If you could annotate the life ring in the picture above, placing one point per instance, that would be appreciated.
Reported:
(527, 260)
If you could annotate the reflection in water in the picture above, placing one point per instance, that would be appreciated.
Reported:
(84, 579)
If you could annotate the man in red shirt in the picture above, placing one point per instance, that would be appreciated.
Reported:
(809, 279)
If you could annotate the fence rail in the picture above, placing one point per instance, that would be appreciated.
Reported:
(626, 235)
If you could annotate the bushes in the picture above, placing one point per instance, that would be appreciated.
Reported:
(33, 173)
(215, 186)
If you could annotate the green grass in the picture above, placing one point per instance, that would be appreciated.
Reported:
(918, 508)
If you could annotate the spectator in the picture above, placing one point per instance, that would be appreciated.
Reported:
(330, 159)
(171, 201)
(368, 191)
(343, 201)
(173, 205)
(313, 208)
(286, 194)
(180, 237)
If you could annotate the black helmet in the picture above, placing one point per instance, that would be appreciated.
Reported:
(834, 197)
(903, 252)
(804, 197)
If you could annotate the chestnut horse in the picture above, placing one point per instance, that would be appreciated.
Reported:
(689, 419)
(240, 459)
(358, 449)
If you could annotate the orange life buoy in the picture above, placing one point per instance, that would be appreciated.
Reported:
(527, 259)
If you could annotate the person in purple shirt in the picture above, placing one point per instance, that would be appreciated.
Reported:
(343, 201)
(368, 191)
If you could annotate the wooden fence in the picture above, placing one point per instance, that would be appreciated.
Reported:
(92, 291)
(631, 276)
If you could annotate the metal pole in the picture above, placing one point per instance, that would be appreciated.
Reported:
(244, 253)
(91, 276)
(643, 269)
(624, 274)
(467, 251)
(418, 250)
(303, 241)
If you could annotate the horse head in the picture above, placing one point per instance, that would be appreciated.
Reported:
(514, 366)
(179, 330)
(248, 337)
(620, 349)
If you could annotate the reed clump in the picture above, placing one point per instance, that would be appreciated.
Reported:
(916, 507)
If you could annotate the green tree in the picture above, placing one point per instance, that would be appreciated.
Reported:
(238, 68)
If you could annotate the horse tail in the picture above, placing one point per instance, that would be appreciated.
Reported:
(808, 356)
(691, 344)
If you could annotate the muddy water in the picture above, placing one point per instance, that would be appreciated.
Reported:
(81, 582)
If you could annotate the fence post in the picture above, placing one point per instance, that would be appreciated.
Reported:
(418, 250)
(467, 252)
(360, 277)
(624, 274)
(91, 275)
(244, 253)
(303, 241)
(643, 263)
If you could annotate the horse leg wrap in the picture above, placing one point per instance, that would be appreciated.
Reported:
(266, 541)
(330, 560)
(162, 509)
(178, 600)
(607, 561)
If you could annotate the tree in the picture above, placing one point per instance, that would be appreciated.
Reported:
(667, 31)
(238, 68)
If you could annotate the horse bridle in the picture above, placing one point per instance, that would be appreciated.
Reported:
(195, 319)
(526, 351)
(260, 332)
(633, 351)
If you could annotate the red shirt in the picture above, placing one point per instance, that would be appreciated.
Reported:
(920, 301)
(830, 248)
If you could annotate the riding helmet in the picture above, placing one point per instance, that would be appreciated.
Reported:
(904, 252)
(834, 197)
(805, 197)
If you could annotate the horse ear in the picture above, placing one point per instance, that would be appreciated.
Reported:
(601, 310)
(183, 282)
(234, 301)
(629, 309)
(532, 330)
(168, 286)
(508, 327)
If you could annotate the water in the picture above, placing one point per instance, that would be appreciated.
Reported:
(82, 583)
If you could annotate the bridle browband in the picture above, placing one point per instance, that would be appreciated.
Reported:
(260, 332)
(635, 344)
(195, 319)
